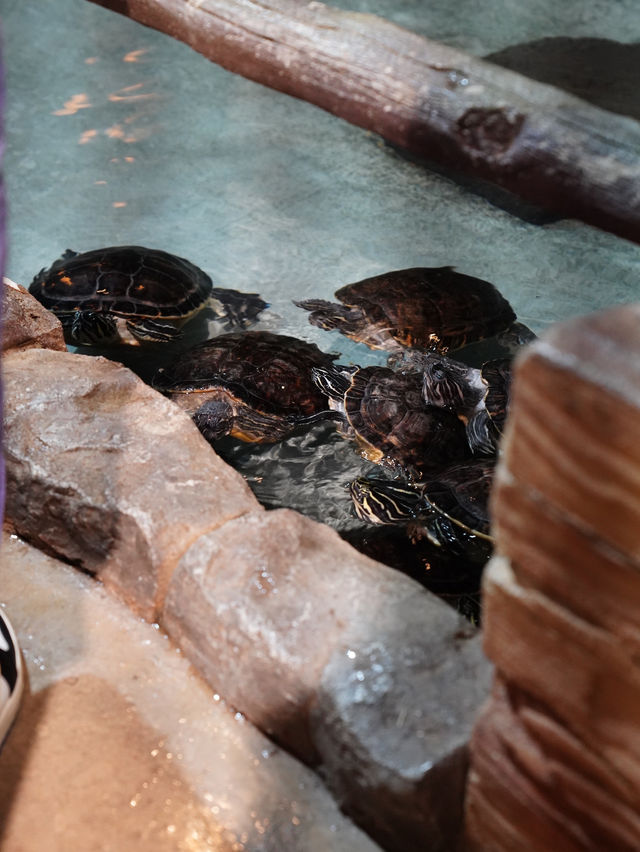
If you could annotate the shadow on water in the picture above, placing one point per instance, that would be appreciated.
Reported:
(602, 72)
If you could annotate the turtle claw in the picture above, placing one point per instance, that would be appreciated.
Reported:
(153, 331)
(239, 310)
(90, 327)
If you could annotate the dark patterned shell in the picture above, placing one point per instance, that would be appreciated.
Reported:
(422, 306)
(127, 281)
(497, 375)
(386, 411)
(268, 372)
(462, 493)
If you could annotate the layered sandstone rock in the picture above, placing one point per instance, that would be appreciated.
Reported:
(556, 754)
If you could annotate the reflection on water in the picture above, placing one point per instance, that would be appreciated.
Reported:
(310, 473)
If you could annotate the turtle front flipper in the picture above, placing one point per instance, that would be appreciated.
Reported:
(332, 316)
(153, 331)
(91, 328)
(238, 309)
(333, 382)
(480, 433)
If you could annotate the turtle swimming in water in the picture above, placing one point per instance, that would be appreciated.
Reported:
(385, 412)
(254, 385)
(449, 508)
(479, 396)
(422, 308)
(133, 294)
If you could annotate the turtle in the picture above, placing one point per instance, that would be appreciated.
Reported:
(132, 294)
(385, 413)
(478, 395)
(449, 508)
(421, 307)
(253, 385)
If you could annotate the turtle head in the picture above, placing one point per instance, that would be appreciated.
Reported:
(448, 383)
(383, 501)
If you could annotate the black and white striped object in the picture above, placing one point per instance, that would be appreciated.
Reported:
(11, 676)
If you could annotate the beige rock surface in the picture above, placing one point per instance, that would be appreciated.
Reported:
(343, 660)
(119, 745)
(26, 323)
(107, 474)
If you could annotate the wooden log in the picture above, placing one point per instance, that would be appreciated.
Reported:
(539, 143)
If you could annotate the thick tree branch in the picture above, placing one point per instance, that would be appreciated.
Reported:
(543, 145)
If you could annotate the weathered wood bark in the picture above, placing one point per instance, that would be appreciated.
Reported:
(556, 754)
(541, 144)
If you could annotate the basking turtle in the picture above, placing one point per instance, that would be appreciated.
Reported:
(385, 413)
(450, 508)
(479, 396)
(101, 295)
(254, 385)
(422, 307)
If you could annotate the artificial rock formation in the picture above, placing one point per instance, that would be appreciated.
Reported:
(346, 662)
(105, 473)
(118, 744)
(556, 754)
(350, 665)
(26, 323)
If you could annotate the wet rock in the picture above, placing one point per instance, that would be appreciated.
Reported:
(392, 720)
(25, 322)
(346, 662)
(107, 474)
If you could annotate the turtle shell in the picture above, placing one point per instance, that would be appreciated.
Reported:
(264, 378)
(421, 307)
(126, 281)
(385, 412)
(461, 493)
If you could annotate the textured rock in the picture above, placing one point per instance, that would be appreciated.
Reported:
(392, 718)
(589, 679)
(25, 322)
(344, 661)
(575, 411)
(555, 758)
(535, 786)
(120, 745)
(105, 473)
(542, 542)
